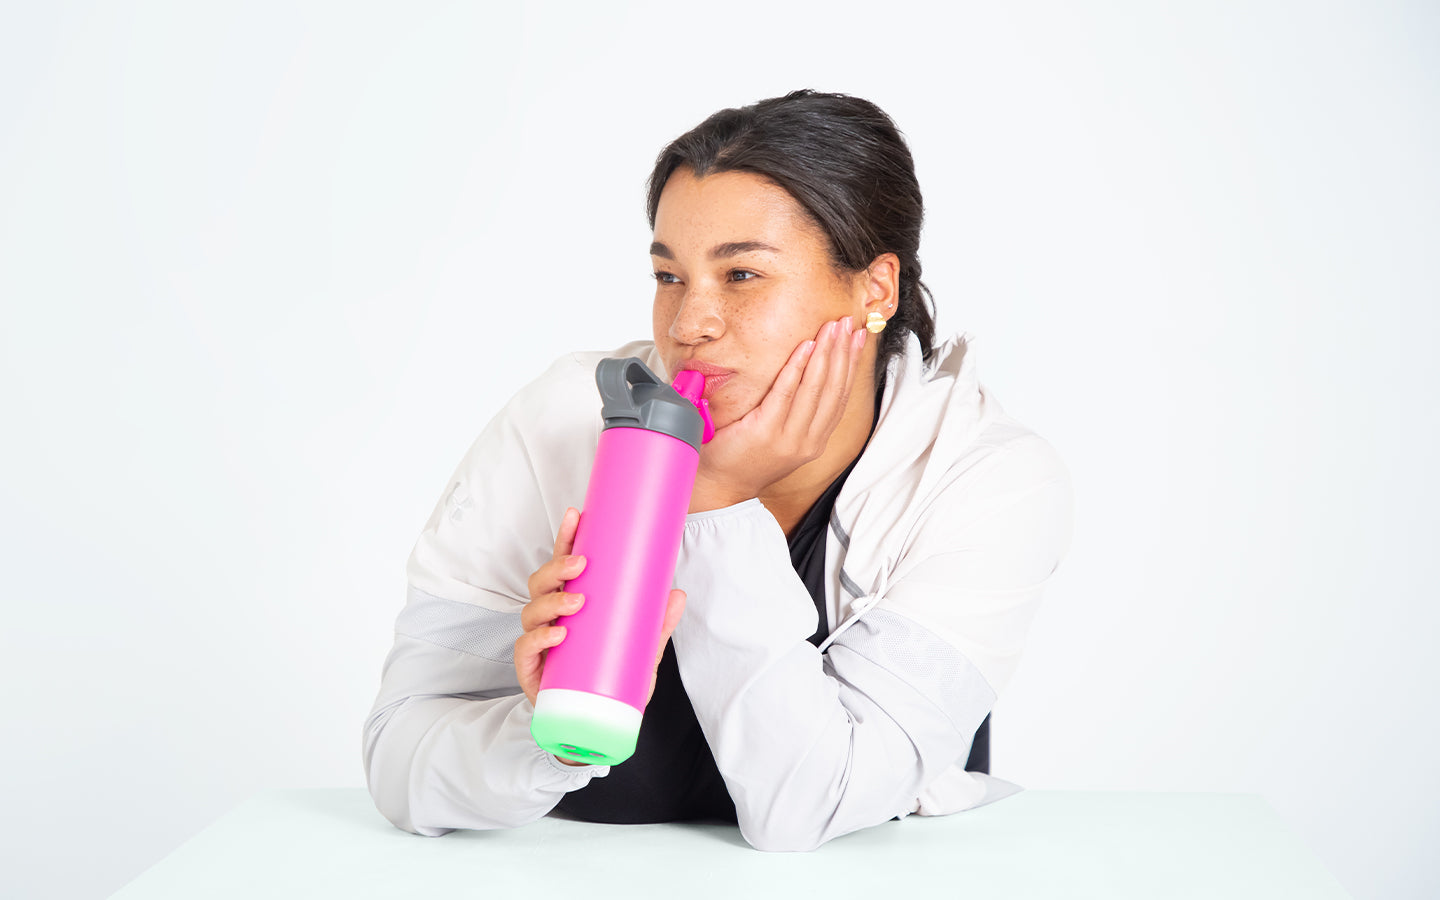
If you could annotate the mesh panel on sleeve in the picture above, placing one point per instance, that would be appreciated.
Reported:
(460, 626)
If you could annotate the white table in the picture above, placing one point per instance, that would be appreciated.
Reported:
(1071, 844)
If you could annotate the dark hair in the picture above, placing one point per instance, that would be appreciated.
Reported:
(847, 165)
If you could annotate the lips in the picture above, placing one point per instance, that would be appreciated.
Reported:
(714, 384)
(704, 368)
(715, 376)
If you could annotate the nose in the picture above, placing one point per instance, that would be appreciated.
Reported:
(698, 320)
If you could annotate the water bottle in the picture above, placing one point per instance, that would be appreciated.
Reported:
(596, 681)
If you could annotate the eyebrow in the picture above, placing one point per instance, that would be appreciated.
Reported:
(719, 251)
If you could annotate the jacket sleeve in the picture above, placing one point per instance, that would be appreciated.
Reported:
(813, 746)
(447, 744)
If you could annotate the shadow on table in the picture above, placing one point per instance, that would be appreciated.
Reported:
(712, 829)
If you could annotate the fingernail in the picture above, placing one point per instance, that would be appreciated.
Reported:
(849, 326)
(574, 600)
(808, 347)
(572, 561)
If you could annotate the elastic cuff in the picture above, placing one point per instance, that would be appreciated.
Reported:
(579, 776)
(588, 772)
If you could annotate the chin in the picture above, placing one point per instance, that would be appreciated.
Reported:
(726, 411)
(721, 420)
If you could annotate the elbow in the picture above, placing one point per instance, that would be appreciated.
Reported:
(390, 792)
(391, 799)
(799, 818)
(398, 814)
(800, 835)
(779, 830)
(388, 780)
(769, 841)
(416, 794)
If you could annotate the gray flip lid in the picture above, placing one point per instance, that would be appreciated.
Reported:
(635, 397)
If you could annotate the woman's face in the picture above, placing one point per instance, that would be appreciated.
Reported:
(742, 278)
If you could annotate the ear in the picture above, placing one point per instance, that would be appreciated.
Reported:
(878, 287)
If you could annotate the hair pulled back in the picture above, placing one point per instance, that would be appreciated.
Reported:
(847, 165)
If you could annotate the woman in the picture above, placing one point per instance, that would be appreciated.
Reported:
(868, 539)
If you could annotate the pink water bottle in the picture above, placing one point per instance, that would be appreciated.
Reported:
(595, 683)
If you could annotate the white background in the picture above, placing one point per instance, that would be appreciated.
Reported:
(268, 268)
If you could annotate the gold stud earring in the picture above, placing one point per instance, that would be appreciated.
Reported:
(875, 323)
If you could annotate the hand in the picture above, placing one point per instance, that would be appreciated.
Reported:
(549, 601)
(790, 427)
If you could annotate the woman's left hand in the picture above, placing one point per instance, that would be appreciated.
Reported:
(789, 428)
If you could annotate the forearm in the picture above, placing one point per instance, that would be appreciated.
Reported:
(809, 749)
(438, 758)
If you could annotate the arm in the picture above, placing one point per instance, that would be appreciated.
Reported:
(815, 745)
(447, 744)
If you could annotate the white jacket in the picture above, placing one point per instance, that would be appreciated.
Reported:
(940, 544)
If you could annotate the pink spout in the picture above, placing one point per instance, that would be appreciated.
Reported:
(690, 384)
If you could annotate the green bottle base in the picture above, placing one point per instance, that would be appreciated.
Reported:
(585, 727)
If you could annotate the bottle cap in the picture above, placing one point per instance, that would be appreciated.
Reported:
(632, 396)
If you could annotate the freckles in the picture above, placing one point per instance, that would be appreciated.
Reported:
(663, 311)
(728, 305)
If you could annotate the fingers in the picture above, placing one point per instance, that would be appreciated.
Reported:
(818, 401)
(782, 392)
(857, 347)
(565, 538)
(548, 602)
(674, 609)
(530, 645)
(548, 607)
(530, 649)
(556, 572)
(813, 385)
(839, 379)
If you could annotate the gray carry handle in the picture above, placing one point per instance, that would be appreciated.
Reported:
(632, 396)
(614, 378)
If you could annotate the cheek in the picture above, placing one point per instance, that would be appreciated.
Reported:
(771, 335)
(662, 314)
(758, 354)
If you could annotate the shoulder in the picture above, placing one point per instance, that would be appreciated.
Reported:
(1014, 458)
(564, 395)
(1003, 516)
(975, 436)
(548, 428)
(942, 430)
(987, 479)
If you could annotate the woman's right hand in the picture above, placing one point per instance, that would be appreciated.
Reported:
(549, 601)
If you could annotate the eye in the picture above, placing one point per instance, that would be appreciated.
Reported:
(742, 275)
(666, 278)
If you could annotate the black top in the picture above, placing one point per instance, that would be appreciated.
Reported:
(672, 776)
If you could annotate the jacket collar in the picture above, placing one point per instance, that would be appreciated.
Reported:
(929, 416)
